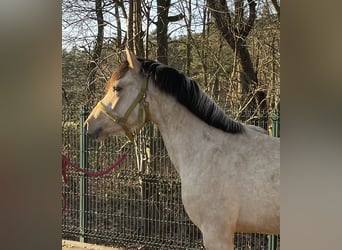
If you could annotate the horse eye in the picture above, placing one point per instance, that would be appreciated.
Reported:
(117, 88)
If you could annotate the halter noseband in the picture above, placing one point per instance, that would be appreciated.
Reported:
(122, 121)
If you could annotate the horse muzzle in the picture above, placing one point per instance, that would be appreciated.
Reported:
(92, 133)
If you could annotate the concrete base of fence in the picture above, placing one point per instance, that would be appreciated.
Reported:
(75, 245)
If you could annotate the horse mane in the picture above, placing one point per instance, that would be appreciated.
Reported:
(188, 93)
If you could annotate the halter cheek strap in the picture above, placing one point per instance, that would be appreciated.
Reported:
(122, 121)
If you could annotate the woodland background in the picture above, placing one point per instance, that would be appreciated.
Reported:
(230, 47)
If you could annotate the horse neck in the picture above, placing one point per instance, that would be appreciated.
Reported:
(178, 127)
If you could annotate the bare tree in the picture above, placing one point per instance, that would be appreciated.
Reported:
(96, 54)
(240, 72)
(84, 25)
(118, 3)
(235, 27)
(130, 29)
(162, 28)
(138, 31)
(276, 6)
(188, 42)
(135, 39)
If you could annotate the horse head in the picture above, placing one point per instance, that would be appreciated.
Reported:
(123, 108)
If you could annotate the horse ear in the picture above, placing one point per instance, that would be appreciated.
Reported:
(132, 60)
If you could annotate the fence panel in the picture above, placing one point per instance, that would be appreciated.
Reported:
(137, 204)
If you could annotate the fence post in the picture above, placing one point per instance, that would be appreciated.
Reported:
(272, 239)
(83, 179)
(276, 124)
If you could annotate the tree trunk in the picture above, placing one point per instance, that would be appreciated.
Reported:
(235, 28)
(162, 28)
(130, 39)
(276, 6)
(93, 64)
(162, 23)
(138, 32)
(189, 39)
(205, 36)
(118, 24)
(147, 33)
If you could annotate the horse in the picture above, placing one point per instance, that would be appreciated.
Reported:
(229, 171)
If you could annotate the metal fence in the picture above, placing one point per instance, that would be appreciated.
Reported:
(138, 204)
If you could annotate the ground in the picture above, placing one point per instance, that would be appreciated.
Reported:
(74, 245)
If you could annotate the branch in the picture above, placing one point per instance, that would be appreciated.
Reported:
(222, 17)
(121, 4)
(175, 18)
(239, 20)
(65, 95)
(277, 7)
(251, 18)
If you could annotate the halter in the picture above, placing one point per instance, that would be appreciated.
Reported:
(122, 120)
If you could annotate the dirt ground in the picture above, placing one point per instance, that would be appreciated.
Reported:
(75, 245)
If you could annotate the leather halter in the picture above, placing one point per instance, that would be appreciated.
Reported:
(122, 120)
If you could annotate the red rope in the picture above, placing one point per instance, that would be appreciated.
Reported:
(66, 162)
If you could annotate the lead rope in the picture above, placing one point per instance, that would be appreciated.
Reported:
(66, 162)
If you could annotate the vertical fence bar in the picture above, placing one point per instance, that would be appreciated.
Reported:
(276, 124)
(83, 179)
(272, 239)
(272, 242)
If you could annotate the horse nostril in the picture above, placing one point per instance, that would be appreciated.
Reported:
(94, 134)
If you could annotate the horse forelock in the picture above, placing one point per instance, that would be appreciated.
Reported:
(188, 93)
(117, 74)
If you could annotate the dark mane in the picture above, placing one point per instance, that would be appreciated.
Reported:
(188, 93)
